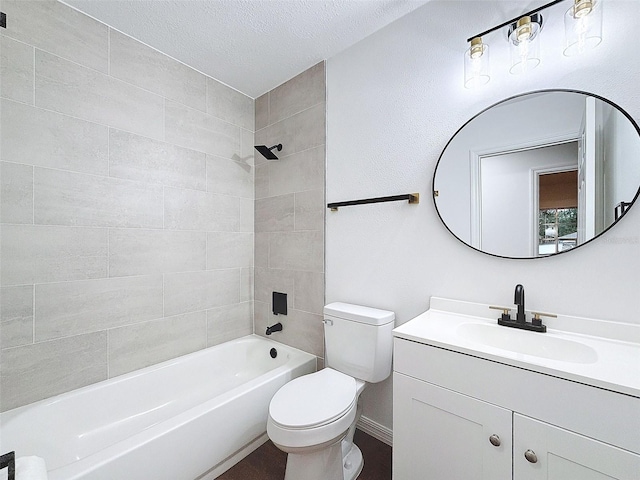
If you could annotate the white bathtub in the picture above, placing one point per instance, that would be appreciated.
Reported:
(190, 417)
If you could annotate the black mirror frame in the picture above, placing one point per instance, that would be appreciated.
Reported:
(550, 90)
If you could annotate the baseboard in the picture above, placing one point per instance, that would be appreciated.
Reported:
(376, 430)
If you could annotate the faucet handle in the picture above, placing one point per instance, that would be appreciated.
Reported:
(505, 310)
(536, 320)
(506, 315)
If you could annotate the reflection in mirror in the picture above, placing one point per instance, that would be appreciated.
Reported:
(538, 174)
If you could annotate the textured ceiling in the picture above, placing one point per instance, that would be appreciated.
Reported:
(251, 45)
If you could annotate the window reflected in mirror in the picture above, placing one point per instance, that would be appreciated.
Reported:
(558, 211)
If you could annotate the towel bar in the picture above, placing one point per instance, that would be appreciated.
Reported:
(411, 197)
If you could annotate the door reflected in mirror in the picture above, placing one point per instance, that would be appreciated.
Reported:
(538, 174)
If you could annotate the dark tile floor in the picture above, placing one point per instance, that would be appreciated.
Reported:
(268, 463)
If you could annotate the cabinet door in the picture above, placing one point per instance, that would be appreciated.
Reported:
(564, 455)
(440, 434)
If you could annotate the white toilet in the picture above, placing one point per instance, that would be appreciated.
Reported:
(313, 418)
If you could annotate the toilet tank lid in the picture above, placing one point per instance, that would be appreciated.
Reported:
(359, 313)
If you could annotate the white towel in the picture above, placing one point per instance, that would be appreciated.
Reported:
(28, 468)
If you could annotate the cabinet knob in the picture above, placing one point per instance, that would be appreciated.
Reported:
(495, 440)
(531, 456)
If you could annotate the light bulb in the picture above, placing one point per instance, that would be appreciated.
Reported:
(582, 26)
(476, 64)
(524, 44)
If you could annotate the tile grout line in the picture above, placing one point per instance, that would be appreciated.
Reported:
(108, 50)
(268, 109)
(34, 74)
(123, 179)
(290, 116)
(206, 97)
(108, 252)
(164, 120)
(109, 152)
(33, 307)
(33, 195)
(294, 211)
(107, 331)
(123, 277)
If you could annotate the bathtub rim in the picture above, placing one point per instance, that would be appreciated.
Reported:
(142, 371)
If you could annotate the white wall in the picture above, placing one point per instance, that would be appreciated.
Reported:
(394, 100)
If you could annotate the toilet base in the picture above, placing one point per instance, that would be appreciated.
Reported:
(352, 463)
(322, 464)
(325, 464)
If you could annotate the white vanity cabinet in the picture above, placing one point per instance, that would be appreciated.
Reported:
(461, 417)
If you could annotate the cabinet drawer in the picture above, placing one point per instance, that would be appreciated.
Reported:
(608, 416)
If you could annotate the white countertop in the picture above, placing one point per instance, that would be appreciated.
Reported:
(607, 353)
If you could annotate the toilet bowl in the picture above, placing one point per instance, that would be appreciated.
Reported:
(313, 418)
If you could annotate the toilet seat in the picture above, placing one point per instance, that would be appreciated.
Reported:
(313, 400)
(312, 409)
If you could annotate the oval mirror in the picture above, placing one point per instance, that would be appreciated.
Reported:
(538, 174)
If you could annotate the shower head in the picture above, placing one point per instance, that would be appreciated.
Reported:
(266, 151)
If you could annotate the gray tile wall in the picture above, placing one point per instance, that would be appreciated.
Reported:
(290, 208)
(127, 204)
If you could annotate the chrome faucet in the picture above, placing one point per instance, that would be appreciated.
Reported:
(518, 299)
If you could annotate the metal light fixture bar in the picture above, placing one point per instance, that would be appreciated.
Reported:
(509, 22)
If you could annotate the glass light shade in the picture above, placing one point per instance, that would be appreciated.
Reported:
(582, 26)
(476, 64)
(524, 44)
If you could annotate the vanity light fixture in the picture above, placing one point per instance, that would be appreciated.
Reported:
(582, 26)
(524, 43)
(476, 64)
(583, 30)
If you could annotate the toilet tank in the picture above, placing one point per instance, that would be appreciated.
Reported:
(358, 340)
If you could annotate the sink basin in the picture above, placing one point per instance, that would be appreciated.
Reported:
(527, 343)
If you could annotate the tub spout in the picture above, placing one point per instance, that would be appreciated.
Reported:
(274, 328)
